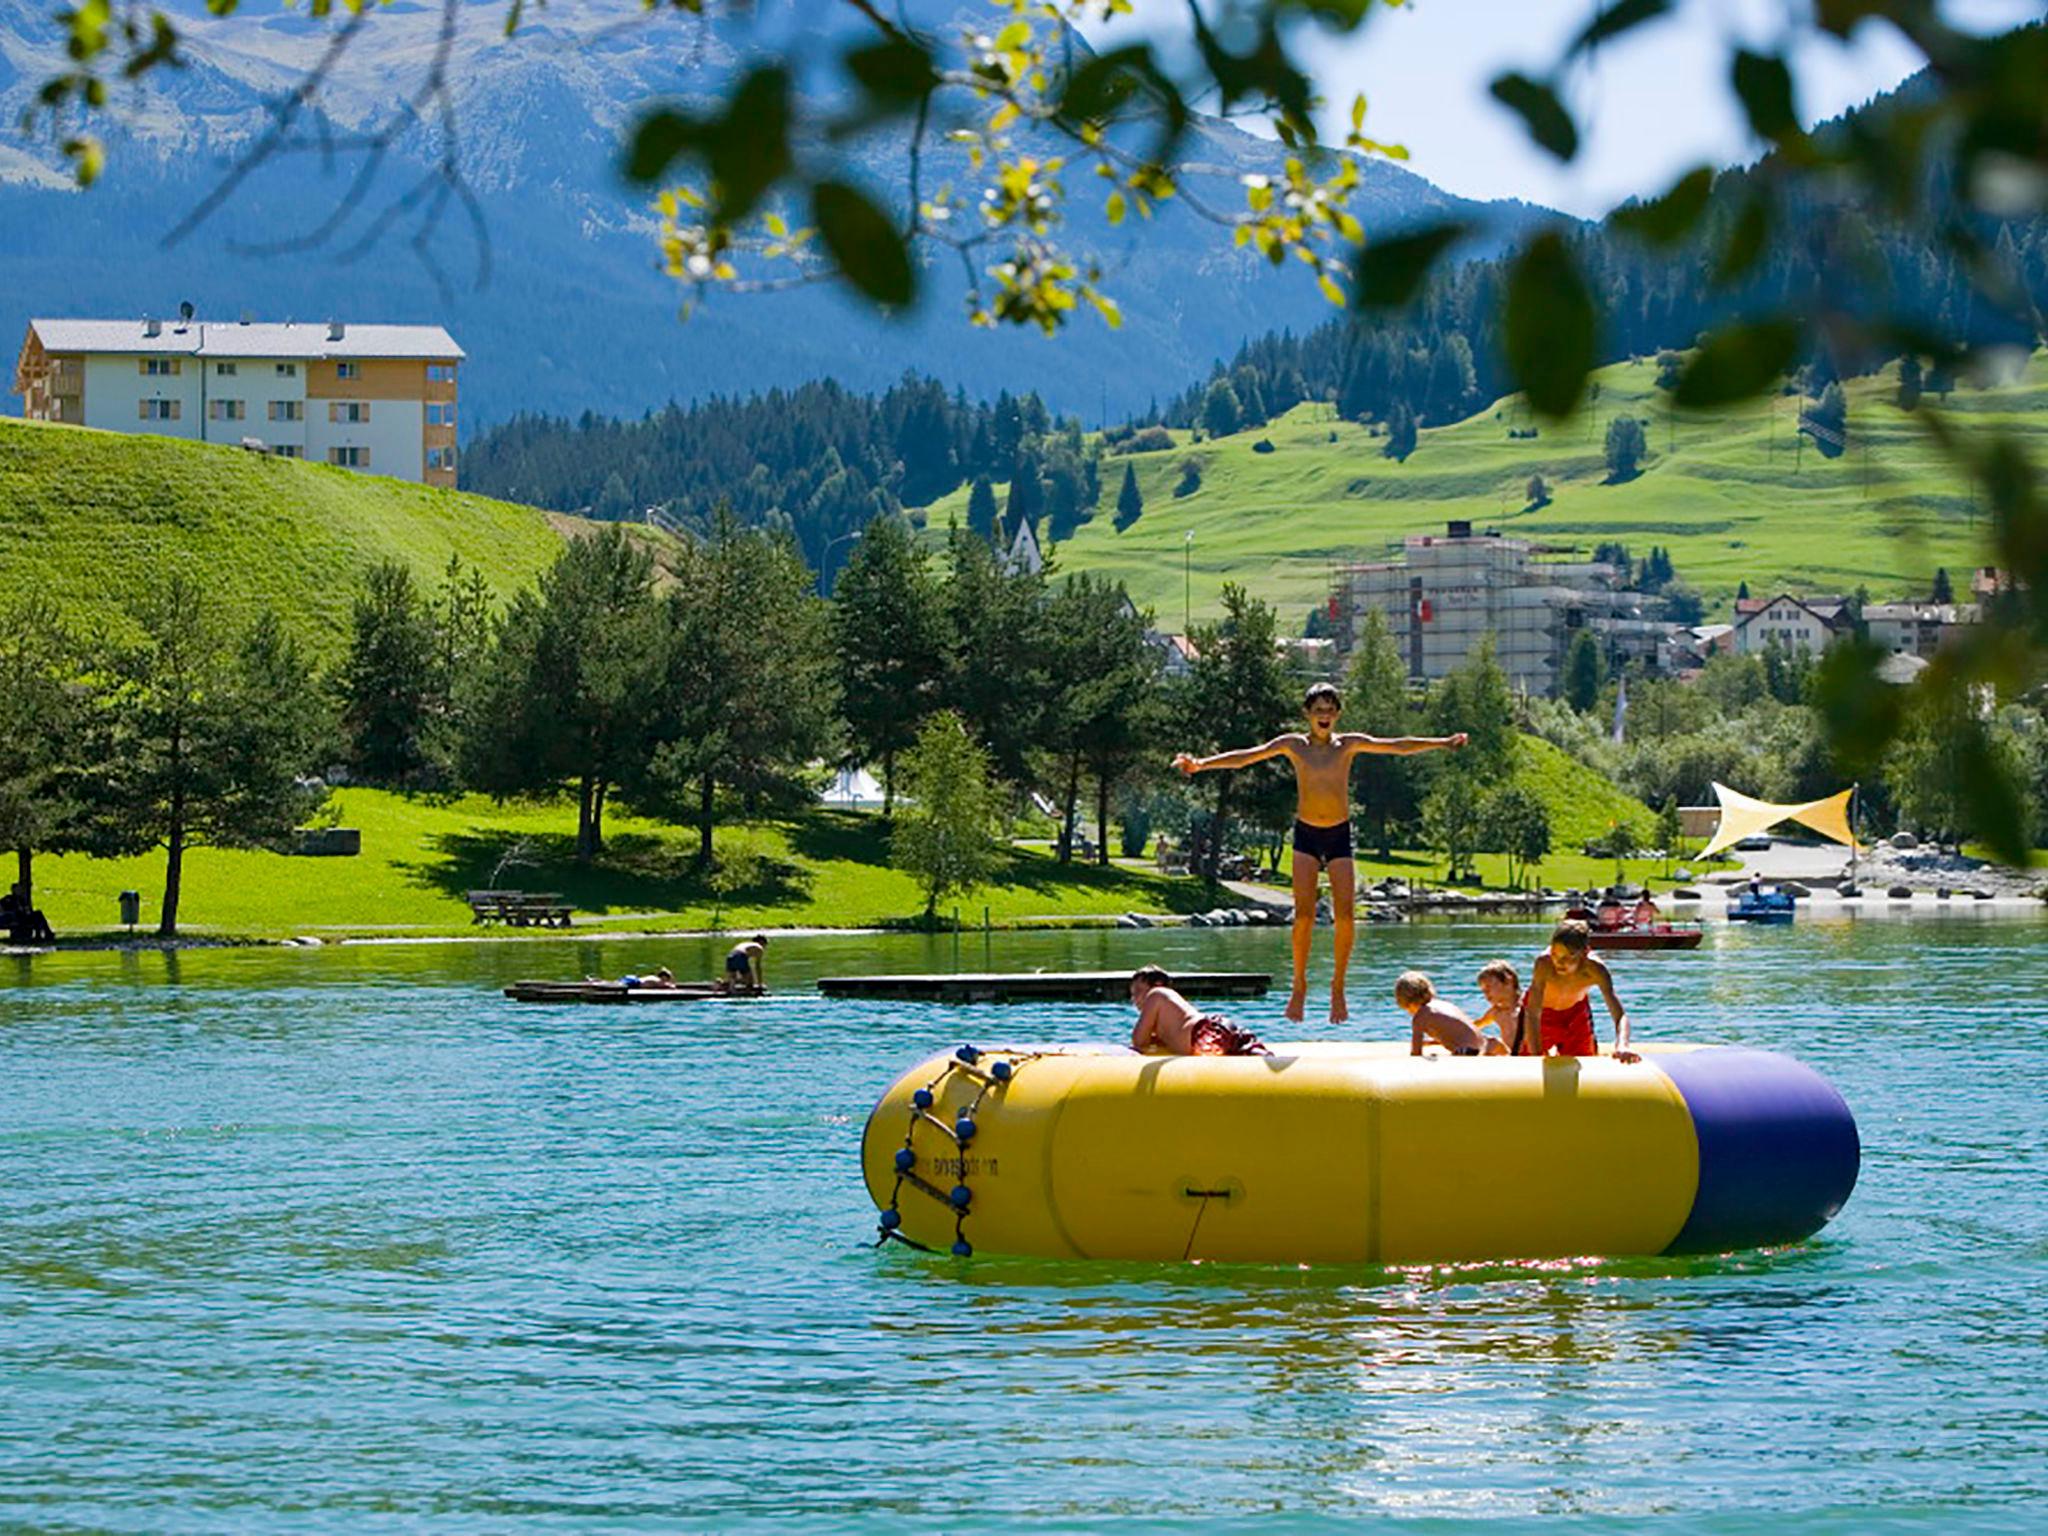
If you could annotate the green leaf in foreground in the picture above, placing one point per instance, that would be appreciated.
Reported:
(867, 248)
(1666, 220)
(1390, 272)
(1541, 112)
(1737, 362)
(1548, 330)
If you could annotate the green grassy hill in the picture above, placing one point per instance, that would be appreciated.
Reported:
(1730, 495)
(89, 517)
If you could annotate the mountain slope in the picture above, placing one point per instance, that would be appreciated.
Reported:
(1732, 496)
(90, 518)
(575, 315)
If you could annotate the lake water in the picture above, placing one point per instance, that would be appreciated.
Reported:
(342, 1241)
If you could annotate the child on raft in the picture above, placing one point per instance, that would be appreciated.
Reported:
(1430, 1017)
(1322, 824)
(1501, 985)
(1168, 1023)
(1557, 1013)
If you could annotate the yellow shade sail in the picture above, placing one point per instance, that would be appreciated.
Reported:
(1743, 817)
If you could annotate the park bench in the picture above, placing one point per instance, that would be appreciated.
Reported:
(520, 909)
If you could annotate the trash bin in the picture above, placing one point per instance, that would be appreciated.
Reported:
(131, 907)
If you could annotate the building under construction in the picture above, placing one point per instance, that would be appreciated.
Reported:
(1448, 590)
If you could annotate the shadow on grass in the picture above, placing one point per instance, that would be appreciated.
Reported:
(635, 873)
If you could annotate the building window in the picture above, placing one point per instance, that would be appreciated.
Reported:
(287, 370)
(348, 410)
(440, 413)
(349, 458)
(348, 370)
(287, 410)
(288, 451)
(158, 410)
(225, 370)
(440, 373)
(440, 458)
(227, 410)
(159, 367)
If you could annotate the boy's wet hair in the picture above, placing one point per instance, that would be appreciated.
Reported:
(1574, 935)
(1413, 987)
(1501, 970)
(1152, 976)
(761, 939)
(1318, 692)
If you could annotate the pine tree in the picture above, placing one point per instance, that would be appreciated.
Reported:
(1626, 447)
(885, 631)
(981, 509)
(1376, 702)
(1584, 672)
(43, 752)
(1238, 693)
(1910, 382)
(1401, 433)
(1027, 498)
(390, 683)
(1130, 504)
(1944, 590)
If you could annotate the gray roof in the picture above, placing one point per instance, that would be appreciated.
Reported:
(228, 338)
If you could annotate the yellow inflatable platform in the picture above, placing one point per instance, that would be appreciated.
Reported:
(1356, 1154)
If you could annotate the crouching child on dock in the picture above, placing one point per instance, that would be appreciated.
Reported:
(1557, 1014)
(1431, 1018)
(1168, 1023)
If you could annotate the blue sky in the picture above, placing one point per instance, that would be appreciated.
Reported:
(1652, 105)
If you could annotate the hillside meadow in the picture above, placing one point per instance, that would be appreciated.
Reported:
(89, 518)
(1733, 496)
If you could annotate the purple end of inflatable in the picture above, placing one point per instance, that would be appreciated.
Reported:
(1778, 1149)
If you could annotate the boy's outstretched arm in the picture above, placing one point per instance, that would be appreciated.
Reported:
(1621, 1050)
(1243, 757)
(1403, 746)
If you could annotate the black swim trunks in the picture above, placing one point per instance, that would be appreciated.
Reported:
(1323, 844)
(737, 964)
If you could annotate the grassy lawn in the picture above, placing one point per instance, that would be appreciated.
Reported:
(1725, 493)
(828, 869)
(90, 517)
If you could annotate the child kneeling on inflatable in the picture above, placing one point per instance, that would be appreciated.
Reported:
(1432, 1018)
(1557, 1014)
(1501, 985)
(1169, 1023)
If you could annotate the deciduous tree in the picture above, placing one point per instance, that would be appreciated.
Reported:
(945, 836)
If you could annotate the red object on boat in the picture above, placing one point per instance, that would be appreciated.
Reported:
(1658, 935)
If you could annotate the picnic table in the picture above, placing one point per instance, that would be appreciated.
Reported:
(520, 909)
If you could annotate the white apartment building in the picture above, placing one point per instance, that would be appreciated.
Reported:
(1448, 590)
(1917, 629)
(1795, 623)
(380, 398)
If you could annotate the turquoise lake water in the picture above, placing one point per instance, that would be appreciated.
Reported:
(341, 1240)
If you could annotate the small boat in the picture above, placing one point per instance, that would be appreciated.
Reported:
(617, 992)
(1768, 905)
(1657, 935)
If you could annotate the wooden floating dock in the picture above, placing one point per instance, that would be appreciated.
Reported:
(1040, 986)
(615, 992)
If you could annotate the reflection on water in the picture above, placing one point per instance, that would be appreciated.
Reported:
(341, 1240)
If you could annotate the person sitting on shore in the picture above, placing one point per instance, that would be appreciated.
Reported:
(1501, 985)
(1169, 1024)
(744, 966)
(1430, 1017)
(1557, 1014)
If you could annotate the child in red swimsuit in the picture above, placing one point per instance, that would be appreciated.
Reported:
(1557, 1013)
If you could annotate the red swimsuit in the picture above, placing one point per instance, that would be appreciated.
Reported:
(1569, 1029)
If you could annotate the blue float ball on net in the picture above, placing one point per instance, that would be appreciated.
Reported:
(963, 1249)
(968, 1054)
(960, 1194)
(1000, 1071)
(963, 1128)
(922, 1098)
(905, 1160)
(891, 1219)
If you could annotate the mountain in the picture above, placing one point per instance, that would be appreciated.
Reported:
(572, 313)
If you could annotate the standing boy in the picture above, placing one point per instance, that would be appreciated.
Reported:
(1322, 824)
(1557, 1013)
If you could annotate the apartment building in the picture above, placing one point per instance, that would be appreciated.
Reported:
(1448, 590)
(380, 398)
(1794, 623)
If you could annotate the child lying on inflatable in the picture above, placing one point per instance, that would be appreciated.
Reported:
(1171, 1025)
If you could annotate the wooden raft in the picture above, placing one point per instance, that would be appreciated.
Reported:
(615, 992)
(1040, 986)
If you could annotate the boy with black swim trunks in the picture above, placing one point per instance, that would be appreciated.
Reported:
(1322, 826)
